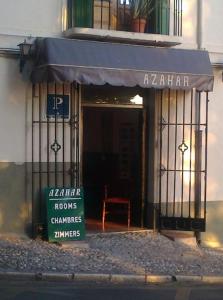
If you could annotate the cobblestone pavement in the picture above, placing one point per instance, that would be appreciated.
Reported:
(120, 253)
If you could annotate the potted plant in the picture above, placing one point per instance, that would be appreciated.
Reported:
(140, 11)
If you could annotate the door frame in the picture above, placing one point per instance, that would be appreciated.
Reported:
(143, 144)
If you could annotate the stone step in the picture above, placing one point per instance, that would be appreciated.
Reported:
(186, 238)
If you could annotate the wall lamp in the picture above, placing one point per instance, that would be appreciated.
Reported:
(25, 52)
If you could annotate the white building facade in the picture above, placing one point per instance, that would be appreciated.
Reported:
(26, 153)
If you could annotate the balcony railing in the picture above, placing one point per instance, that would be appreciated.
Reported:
(165, 17)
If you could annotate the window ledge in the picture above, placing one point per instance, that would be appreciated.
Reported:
(123, 37)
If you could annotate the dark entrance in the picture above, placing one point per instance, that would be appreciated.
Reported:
(112, 139)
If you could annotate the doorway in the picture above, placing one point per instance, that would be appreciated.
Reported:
(112, 157)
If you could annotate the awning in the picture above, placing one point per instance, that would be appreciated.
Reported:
(98, 63)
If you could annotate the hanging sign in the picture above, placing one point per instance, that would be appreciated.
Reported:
(57, 105)
(65, 214)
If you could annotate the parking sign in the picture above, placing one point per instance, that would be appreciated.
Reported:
(57, 106)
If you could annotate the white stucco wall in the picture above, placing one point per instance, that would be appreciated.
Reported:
(212, 33)
(211, 40)
(12, 112)
(31, 17)
(215, 140)
(24, 18)
(19, 20)
(189, 32)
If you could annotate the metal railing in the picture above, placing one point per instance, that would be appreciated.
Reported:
(161, 17)
(55, 143)
(183, 159)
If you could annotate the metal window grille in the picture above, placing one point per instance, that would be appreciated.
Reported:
(183, 125)
(116, 15)
(55, 142)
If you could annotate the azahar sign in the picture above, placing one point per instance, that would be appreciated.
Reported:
(65, 214)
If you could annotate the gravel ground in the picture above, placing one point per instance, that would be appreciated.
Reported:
(121, 253)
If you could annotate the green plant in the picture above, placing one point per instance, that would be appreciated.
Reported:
(141, 8)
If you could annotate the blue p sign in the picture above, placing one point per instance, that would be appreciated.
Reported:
(57, 106)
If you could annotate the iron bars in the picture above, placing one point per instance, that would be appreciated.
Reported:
(158, 16)
(55, 142)
(183, 159)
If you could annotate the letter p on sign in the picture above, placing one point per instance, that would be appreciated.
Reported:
(57, 101)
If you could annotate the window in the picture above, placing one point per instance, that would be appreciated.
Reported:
(116, 15)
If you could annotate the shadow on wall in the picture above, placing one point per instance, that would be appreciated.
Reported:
(213, 237)
(15, 209)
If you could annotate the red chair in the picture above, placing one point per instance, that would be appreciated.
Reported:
(116, 201)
